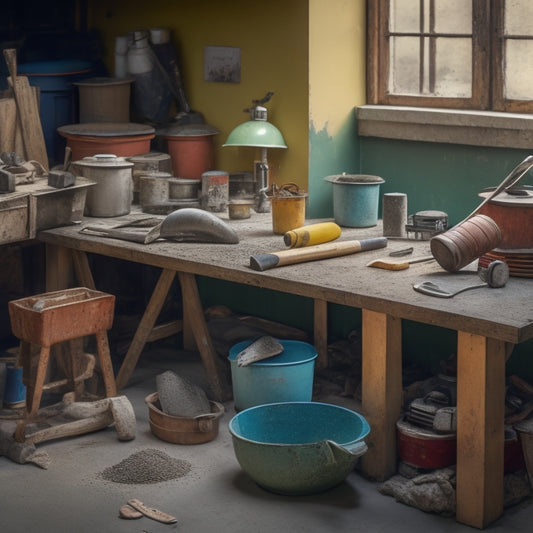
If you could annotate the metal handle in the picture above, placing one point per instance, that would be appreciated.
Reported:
(431, 289)
(512, 179)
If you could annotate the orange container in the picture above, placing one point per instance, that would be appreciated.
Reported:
(121, 139)
(191, 149)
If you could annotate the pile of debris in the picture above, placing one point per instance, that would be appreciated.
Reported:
(427, 444)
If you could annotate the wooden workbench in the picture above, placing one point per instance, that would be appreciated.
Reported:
(489, 322)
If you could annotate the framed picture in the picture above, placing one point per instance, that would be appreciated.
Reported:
(222, 64)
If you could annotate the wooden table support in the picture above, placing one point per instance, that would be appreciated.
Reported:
(320, 329)
(381, 391)
(480, 429)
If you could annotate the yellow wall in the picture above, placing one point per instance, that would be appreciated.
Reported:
(337, 61)
(273, 37)
(337, 85)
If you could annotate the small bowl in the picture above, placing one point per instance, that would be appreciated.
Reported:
(182, 429)
(239, 209)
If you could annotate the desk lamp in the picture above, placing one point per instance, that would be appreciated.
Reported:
(258, 133)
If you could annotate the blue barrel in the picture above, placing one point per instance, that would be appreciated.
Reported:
(58, 101)
(286, 377)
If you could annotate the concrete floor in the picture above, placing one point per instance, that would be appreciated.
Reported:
(215, 496)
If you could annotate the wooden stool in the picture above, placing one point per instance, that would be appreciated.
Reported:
(54, 317)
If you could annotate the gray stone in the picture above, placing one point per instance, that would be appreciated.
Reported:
(180, 397)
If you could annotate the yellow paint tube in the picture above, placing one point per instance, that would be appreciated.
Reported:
(312, 234)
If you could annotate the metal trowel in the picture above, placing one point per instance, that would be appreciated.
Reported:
(262, 348)
(183, 225)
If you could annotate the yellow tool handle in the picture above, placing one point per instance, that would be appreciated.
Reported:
(312, 234)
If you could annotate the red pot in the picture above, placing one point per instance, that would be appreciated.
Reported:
(514, 216)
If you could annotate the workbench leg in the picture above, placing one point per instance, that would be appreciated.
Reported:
(193, 308)
(145, 326)
(480, 429)
(381, 391)
(59, 268)
(320, 332)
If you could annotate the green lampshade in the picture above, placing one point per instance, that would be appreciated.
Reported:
(257, 133)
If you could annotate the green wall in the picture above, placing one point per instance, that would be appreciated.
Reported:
(445, 177)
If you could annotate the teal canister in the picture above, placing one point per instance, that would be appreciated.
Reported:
(355, 199)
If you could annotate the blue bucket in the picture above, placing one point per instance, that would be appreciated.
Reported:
(14, 389)
(286, 377)
(355, 199)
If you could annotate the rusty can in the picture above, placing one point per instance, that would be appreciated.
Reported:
(215, 190)
(464, 243)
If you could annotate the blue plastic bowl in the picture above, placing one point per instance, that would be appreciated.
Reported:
(286, 377)
(298, 447)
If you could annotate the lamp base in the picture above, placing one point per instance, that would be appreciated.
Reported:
(262, 203)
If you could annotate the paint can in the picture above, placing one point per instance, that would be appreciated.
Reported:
(394, 214)
(464, 243)
(215, 190)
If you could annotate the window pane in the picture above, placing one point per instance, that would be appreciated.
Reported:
(517, 73)
(453, 16)
(452, 66)
(404, 71)
(453, 74)
(518, 17)
(404, 15)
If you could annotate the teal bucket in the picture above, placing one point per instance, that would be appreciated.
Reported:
(355, 199)
(286, 377)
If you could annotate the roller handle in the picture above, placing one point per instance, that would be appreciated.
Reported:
(311, 253)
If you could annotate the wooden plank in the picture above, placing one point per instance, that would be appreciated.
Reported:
(320, 331)
(480, 429)
(189, 291)
(381, 391)
(8, 118)
(28, 112)
(162, 331)
(145, 327)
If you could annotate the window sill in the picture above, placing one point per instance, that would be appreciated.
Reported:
(477, 128)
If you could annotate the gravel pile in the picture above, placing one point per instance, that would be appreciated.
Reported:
(146, 466)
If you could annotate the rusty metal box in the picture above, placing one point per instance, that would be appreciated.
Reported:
(52, 317)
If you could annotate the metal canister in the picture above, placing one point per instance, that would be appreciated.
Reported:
(145, 163)
(112, 194)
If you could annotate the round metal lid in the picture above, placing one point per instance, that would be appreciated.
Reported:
(104, 161)
(103, 82)
(107, 129)
(518, 196)
(357, 179)
(189, 130)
